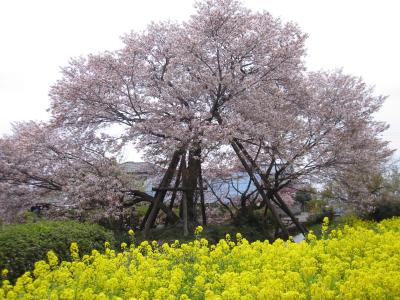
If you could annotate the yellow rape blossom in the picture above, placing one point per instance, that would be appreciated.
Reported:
(198, 230)
(360, 261)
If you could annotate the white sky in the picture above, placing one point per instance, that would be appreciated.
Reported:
(38, 37)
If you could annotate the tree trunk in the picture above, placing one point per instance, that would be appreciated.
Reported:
(243, 202)
(190, 181)
(202, 202)
(176, 185)
(185, 215)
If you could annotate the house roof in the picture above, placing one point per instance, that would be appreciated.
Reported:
(144, 168)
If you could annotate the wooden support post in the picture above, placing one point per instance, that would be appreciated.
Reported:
(159, 197)
(264, 178)
(259, 188)
(286, 209)
(202, 202)
(146, 197)
(265, 211)
(184, 203)
(176, 185)
(185, 215)
(195, 201)
(146, 216)
(235, 145)
(178, 189)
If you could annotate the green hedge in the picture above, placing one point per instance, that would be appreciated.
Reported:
(386, 209)
(21, 245)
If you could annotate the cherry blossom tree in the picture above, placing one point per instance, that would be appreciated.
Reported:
(40, 162)
(227, 86)
(169, 86)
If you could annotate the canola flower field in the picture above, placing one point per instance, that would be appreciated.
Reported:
(361, 261)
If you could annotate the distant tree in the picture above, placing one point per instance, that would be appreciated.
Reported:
(302, 197)
(373, 192)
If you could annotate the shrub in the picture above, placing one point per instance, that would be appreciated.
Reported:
(385, 209)
(317, 218)
(303, 197)
(315, 206)
(21, 245)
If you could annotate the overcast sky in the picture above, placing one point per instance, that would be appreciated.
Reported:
(38, 37)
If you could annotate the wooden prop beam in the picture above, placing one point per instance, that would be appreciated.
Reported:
(283, 205)
(287, 210)
(171, 216)
(271, 207)
(176, 185)
(178, 189)
(159, 197)
(185, 200)
(202, 201)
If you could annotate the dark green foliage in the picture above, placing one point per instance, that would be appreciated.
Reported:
(386, 209)
(315, 206)
(212, 232)
(317, 218)
(388, 198)
(249, 217)
(303, 196)
(22, 245)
